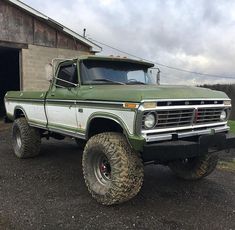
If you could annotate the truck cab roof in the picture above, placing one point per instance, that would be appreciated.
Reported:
(106, 58)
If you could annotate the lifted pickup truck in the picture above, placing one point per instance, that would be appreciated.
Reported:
(113, 108)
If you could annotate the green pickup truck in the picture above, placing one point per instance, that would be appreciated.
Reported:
(114, 109)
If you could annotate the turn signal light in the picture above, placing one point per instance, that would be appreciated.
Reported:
(130, 105)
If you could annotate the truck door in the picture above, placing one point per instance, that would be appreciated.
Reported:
(61, 100)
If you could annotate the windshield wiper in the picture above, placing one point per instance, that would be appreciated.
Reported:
(135, 83)
(107, 80)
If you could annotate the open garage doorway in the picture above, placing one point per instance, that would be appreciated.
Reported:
(9, 73)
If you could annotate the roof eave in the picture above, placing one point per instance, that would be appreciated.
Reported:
(93, 47)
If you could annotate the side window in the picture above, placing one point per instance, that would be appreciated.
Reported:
(67, 76)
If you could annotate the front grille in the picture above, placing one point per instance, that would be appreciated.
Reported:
(184, 117)
(173, 118)
(208, 115)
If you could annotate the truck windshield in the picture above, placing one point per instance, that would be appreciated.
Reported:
(114, 72)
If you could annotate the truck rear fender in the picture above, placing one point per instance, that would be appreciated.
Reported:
(19, 112)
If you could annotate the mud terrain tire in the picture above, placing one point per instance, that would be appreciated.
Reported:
(195, 168)
(26, 140)
(113, 172)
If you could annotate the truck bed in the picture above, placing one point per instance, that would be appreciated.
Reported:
(26, 101)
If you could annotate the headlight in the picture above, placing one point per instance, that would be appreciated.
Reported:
(223, 115)
(149, 120)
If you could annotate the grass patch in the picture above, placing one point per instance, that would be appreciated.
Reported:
(232, 126)
(227, 165)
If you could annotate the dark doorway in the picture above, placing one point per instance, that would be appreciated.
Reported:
(9, 73)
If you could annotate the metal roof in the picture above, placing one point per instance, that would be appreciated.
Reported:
(94, 47)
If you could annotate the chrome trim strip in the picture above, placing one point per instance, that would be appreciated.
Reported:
(201, 132)
(164, 137)
(74, 101)
(182, 128)
(191, 99)
(84, 101)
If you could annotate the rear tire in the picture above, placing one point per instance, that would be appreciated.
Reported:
(26, 140)
(113, 172)
(195, 168)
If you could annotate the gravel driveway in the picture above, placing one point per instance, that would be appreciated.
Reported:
(48, 192)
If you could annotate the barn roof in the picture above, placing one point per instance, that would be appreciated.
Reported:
(94, 47)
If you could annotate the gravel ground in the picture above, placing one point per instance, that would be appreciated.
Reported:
(48, 192)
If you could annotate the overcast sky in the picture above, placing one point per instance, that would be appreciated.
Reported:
(197, 35)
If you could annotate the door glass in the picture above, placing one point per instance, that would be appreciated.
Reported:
(67, 76)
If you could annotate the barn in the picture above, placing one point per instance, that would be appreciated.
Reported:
(28, 41)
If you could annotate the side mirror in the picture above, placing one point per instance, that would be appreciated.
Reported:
(155, 76)
(49, 72)
(158, 76)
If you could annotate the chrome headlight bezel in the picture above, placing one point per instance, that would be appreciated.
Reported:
(150, 120)
(224, 115)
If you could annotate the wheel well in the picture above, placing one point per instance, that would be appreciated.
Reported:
(100, 125)
(19, 113)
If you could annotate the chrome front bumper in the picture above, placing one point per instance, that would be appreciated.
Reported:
(179, 134)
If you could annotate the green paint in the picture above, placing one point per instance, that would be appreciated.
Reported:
(137, 93)
(65, 128)
(137, 142)
(126, 93)
(10, 116)
(232, 126)
(109, 116)
(89, 96)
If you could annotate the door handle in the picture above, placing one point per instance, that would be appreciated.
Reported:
(52, 94)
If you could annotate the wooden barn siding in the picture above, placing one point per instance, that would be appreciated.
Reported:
(19, 27)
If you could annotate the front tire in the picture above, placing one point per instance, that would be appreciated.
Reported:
(195, 168)
(113, 172)
(26, 140)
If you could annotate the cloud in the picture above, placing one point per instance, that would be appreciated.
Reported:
(194, 35)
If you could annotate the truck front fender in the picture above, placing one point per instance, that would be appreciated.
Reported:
(108, 117)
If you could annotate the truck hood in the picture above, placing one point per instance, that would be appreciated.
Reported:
(137, 93)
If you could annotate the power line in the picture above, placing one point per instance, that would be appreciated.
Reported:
(163, 65)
